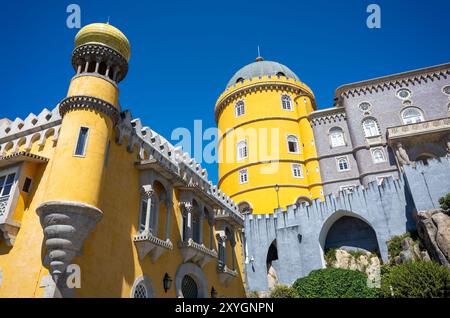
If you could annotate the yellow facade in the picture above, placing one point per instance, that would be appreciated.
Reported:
(265, 126)
(103, 190)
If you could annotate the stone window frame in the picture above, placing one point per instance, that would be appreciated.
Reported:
(297, 143)
(372, 152)
(377, 125)
(365, 102)
(409, 107)
(146, 282)
(86, 142)
(350, 188)
(348, 164)
(250, 206)
(240, 105)
(244, 147)
(291, 104)
(443, 90)
(194, 272)
(342, 134)
(397, 93)
(242, 172)
(298, 167)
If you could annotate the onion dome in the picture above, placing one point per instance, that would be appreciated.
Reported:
(106, 34)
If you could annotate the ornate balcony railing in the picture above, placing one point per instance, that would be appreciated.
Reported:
(3, 204)
(425, 127)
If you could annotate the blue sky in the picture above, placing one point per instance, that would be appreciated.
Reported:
(184, 52)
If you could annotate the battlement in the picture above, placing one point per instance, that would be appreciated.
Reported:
(277, 82)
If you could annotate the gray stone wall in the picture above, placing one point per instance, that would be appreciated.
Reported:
(386, 108)
(302, 232)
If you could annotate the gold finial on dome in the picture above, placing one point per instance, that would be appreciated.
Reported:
(106, 34)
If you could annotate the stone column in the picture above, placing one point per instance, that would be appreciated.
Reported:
(187, 209)
(169, 205)
(147, 192)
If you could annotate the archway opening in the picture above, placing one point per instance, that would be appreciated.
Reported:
(351, 233)
(272, 257)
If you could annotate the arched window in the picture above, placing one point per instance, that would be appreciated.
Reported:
(240, 80)
(281, 74)
(286, 102)
(293, 144)
(342, 164)
(378, 155)
(241, 151)
(337, 137)
(189, 287)
(303, 200)
(370, 127)
(142, 288)
(245, 208)
(196, 224)
(411, 115)
(239, 108)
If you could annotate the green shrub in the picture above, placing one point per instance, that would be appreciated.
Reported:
(334, 283)
(281, 291)
(253, 294)
(445, 204)
(421, 279)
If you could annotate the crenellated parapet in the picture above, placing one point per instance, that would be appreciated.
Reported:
(261, 83)
(301, 231)
(394, 81)
(34, 128)
(328, 115)
(154, 149)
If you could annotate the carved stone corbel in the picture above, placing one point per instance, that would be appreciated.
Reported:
(66, 226)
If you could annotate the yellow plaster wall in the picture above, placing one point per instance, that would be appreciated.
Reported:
(266, 125)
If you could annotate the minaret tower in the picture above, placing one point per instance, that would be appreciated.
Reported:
(89, 113)
(267, 154)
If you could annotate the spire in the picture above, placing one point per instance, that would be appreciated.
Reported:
(259, 58)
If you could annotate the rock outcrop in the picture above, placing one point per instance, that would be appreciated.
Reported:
(410, 252)
(364, 262)
(433, 227)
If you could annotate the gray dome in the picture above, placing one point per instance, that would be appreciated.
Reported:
(261, 68)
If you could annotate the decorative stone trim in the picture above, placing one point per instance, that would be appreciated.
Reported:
(260, 86)
(232, 218)
(146, 243)
(226, 275)
(66, 225)
(89, 102)
(327, 116)
(394, 81)
(102, 52)
(196, 253)
(10, 231)
(441, 125)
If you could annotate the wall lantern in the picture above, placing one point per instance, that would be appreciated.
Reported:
(213, 292)
(167, 282)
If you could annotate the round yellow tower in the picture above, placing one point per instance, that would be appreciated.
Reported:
(267, 155)
(89, 113)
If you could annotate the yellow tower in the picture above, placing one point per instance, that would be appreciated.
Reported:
(267, 155)
(89, 113)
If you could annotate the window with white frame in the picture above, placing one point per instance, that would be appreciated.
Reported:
(239, 108)
(286, 102)
(403, 93)
(370, 127)
(337, 137)
(411, 115)
(143, 215)
(378, 155)
(293, 146)
(6, 183)
(343, 164)
(243, 176)
(241, 151)
(297, 170)
(348, 188)
(80, 149)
